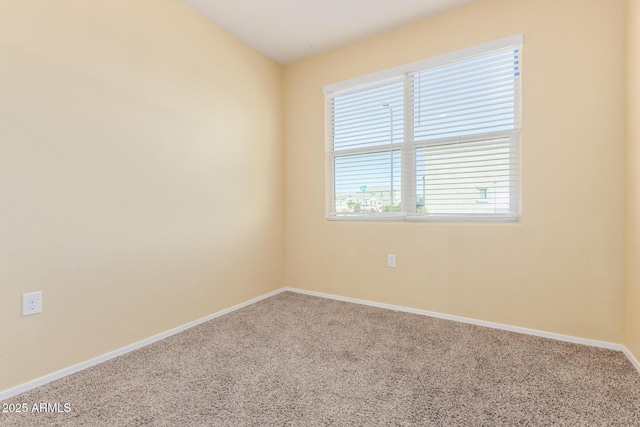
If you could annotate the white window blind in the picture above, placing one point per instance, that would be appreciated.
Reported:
(367, 130)
(436, 139)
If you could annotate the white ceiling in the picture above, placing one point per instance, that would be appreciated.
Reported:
(290, 30)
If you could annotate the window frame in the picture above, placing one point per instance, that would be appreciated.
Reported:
(409, 146)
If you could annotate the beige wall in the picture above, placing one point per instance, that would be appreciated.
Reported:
(632, 156)
(141, 176)
(559, 269)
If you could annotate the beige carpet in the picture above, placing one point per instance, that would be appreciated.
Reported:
(304, 361)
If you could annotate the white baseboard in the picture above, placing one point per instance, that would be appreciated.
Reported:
(6, 394)
(527, 331)
(631, 358)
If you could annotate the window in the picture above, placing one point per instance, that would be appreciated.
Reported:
(483, 193)
(436, 139)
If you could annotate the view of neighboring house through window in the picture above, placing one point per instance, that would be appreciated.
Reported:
(437, 139)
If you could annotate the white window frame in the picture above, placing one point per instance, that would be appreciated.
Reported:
(408, 146)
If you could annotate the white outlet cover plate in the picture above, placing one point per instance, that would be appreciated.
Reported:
(31, 303)
(391, 260)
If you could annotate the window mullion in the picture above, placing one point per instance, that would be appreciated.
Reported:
(408, 155)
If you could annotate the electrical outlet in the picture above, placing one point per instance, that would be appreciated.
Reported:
(31, 303)
(391, 260)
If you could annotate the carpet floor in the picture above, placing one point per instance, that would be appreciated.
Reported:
(305, 361)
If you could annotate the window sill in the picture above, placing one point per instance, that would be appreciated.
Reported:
(420, 218)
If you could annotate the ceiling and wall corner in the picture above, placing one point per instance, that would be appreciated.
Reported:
(291, 30)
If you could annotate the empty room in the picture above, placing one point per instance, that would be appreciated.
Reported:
(229, 213)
